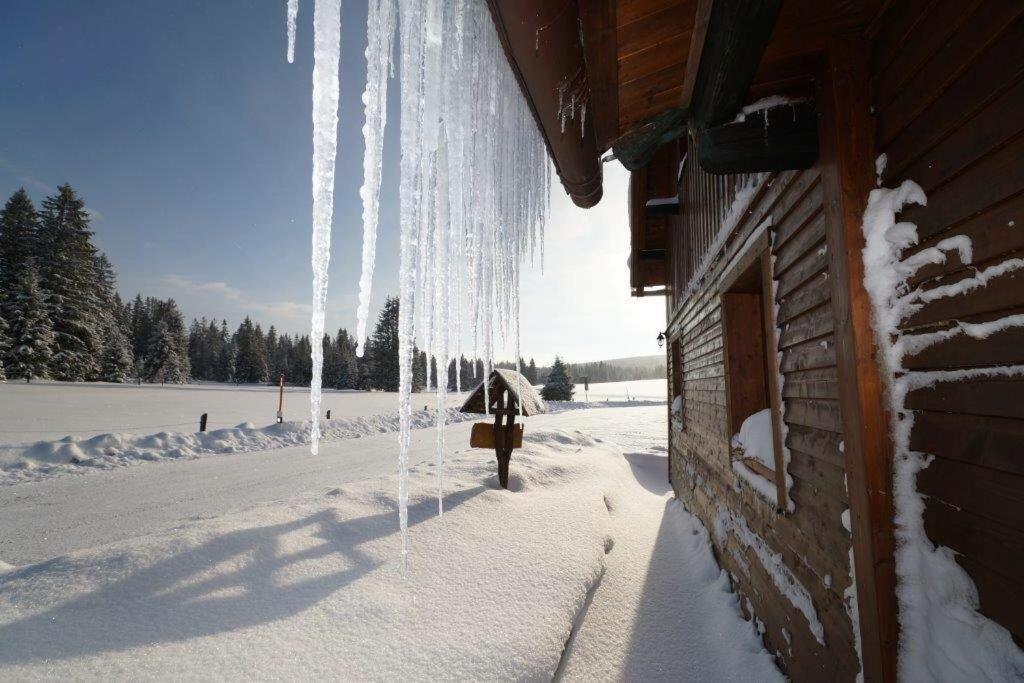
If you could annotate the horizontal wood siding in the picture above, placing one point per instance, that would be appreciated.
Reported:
(948, 92)
(812, 540)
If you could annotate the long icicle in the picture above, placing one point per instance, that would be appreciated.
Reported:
(410, 30)
(380, 29)
(471, 202)
(326, 56)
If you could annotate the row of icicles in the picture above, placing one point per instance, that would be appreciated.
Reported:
(474, 189)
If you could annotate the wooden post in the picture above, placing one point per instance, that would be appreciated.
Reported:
(502, 438)
(847, 172)
(202, 422)
(280, 399)
(328, 415)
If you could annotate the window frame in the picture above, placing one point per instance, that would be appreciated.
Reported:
(676, 382)
(755, 257)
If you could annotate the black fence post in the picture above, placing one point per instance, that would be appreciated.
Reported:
(328, 415)
(202, 422)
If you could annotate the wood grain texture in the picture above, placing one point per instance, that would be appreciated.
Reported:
(847, 158)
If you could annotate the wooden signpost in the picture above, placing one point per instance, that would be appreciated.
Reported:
(508, 394)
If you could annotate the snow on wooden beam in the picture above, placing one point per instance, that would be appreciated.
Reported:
(779, 138)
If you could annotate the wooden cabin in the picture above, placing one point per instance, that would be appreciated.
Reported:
(747, 215)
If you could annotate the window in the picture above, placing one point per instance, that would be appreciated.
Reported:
(751, 372)
(675, 361)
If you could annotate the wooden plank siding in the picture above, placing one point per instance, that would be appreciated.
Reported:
(947, 83)
(812, 539)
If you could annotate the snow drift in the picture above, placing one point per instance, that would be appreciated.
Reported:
(105, 451)
(42, 459)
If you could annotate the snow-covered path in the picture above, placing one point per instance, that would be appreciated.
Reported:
(283, 565)
(663, 608)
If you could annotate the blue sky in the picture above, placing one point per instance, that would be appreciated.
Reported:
(189, 135)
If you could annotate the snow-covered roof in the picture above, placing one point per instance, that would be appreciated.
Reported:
(519, 388)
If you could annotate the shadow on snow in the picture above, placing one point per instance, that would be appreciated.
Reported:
(175, 599)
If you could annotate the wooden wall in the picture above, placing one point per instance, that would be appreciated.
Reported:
(812, 539)
(948, 91)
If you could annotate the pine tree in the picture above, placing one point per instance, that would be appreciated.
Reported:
(331, 370)
(283, 360)
(466, 374)
(384, 363)
(225, 354)
(250, 356)
(164, 358)
(452, 374)
(559, 386)
(270, 344)
(31, 332)
(419, 371)
(67, 262)
(531, 372)
(19, 225)
(141, 324)
(197, 343)
(117, 363)
(302, 362)
(348, 363)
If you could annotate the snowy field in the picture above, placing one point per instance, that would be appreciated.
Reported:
(279, 564)
(641, 390)
(47, 411)
(56, 428)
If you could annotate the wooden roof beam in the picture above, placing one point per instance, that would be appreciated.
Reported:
(735, 37)
(600, 51)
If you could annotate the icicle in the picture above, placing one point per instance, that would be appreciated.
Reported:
(470, 205)
(441, 313)
(411, 46)
(293, 15)
(326, 51)
(380, 29)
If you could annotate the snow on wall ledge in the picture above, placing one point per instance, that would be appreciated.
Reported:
(727, 521)
(942, 634)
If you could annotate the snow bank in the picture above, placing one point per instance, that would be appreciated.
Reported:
(492, 588)
(32, 462)
(45, 458)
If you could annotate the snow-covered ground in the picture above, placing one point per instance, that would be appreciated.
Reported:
(640, 390)
(48, 411)
(57, 428)
(283, 565)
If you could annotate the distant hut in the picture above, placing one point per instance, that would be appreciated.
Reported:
(507, 395)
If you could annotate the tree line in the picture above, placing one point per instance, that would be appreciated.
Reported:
(61, 318)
